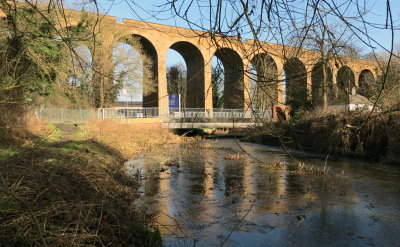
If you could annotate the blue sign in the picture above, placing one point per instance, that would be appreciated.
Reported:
(174, 101)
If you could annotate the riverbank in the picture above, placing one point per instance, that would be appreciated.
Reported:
(376, 140)
(67, 186)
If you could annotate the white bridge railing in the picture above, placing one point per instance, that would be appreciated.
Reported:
(155, 112)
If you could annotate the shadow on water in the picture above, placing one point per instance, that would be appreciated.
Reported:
(206, 194)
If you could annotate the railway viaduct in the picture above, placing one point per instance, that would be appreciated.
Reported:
(283, 73)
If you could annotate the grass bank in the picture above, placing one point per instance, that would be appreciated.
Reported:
(377, 140)
(129, 139)
(66, 186)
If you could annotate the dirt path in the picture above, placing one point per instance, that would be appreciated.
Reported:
(69, 132)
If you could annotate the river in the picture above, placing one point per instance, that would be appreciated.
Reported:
(229, 193)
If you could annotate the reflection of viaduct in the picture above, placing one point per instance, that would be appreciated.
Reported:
(274, 64)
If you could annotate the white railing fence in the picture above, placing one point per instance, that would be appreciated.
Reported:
(61, 115)
(154, 112)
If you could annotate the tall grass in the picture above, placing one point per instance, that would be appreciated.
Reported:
(129, 139)
(19, 125)
(79, 197)
(59, 193)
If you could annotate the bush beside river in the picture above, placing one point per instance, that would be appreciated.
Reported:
(377, 139)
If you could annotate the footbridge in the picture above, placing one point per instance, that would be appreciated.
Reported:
(189, 118)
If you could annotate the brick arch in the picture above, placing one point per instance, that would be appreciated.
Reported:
(345, 82)
(266, 89)
(144, 45)
(318, 89)
(195, 87)
(233, 77)
(82, 64)
(365, 81)
(296, 82)
(148, 48)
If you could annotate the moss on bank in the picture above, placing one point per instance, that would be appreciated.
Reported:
(70, 193)
(377, 139)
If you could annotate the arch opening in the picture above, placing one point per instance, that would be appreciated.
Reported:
(176, 75)
(322, 85)
(296, 83)
(233, 92)
(365, 81)
(217, 83)
(135, 72)
(345, 83)
(264, 82)
(75, 89)
(81, 74)
(150, 89)
(195, 91)
(127, 74)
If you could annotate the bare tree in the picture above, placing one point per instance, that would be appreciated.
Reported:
(176, 81)
(331, 42)
(132, 69)
(390, 95)
(217, 82)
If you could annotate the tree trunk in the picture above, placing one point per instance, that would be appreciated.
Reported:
(325, 85)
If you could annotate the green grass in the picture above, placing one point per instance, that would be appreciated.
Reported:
(74, 145)
(8, 205)
(6, 153)
(79, 130)
(55, 133)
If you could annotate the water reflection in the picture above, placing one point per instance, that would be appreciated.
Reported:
(202, 198)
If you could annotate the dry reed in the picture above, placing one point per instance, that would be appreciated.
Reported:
(234, 157)
(20, 126)
(51, 195)
(129, 139)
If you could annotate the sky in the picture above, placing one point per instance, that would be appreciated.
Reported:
(157, 11)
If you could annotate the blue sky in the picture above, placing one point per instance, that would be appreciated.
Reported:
(157, 11)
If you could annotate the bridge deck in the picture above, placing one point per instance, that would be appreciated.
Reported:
(231, 125)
